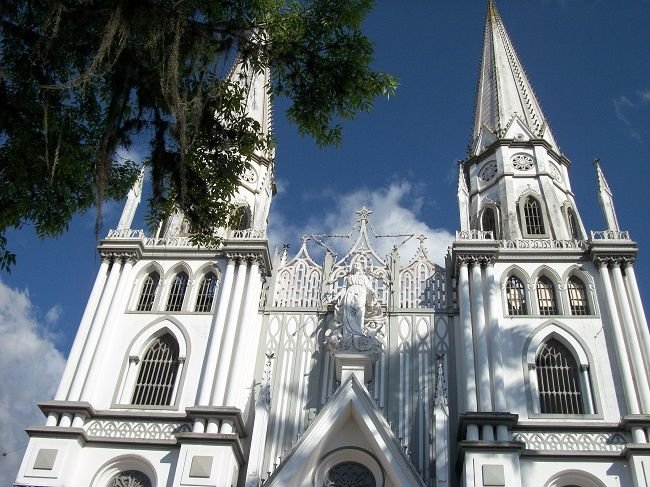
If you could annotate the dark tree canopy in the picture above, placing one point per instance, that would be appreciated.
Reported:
(82, 81)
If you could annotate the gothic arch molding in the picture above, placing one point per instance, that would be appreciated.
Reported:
(549, 330)
(138, 283)
(588, 280)
(521, 202)
(139, 345)
(570, 478)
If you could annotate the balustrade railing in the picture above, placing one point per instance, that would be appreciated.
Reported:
(543, 243)
(610, 235)
(183, 241)
(475, 235)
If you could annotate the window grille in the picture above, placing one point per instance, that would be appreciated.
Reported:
(573, 224)
(516, 296)
(157, 375)
(488, 221)
(350, 474)
(207, 290)
(130, 478)
(148, 294)
(546, 296)
(558, 380)
(577, 296)
(533, 217)
(177, 292)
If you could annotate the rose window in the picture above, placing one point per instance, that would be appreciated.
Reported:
(350, 474)
(488, 171)
(555, 172)
(522, 162)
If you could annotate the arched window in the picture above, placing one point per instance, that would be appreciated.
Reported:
(177, 292)
(533, 219)
(352, 474)
(148, 293)
(489, 221)
(157, 374)
(240, 218)
(516, 296)
(207, 290)
(577, 296)
(130, 478)
(546, 296)
(558, 380)
(572, 222)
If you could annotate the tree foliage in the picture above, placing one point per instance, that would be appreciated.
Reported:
(83, 81)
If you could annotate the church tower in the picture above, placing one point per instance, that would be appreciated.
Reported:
(522, 361)
(160, 377)
(553, 340)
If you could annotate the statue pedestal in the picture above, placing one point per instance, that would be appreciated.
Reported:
(358, 364)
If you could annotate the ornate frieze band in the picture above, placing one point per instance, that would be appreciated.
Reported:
(572, 441)
(141, 430)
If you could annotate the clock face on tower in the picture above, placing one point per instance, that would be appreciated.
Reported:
(488, 171)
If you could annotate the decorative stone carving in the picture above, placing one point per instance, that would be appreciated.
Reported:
(488, 171)
(131, 478)
(522, 162)
(555, 172)
(350, 474)
(358, 316)
(608, 441)
(141, 430)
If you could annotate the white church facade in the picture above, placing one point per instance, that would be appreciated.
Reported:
(523, 360)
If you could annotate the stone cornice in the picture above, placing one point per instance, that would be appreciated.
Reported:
(218, 412)
(613, 252)
(212, 439)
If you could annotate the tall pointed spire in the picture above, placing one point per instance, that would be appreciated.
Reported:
(504, 91)
(606, 199)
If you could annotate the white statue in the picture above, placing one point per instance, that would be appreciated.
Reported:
(358, 315)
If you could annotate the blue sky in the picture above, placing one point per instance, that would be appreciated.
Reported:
(589, 61)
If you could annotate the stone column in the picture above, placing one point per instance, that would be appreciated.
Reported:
(96, 326)
(82, 333)
(471, 403)
(482, 362)
(245, 346)
(98, 356)
(621, 352)
(224, 361)
(632, 340)
(641, 321)
(216, 334)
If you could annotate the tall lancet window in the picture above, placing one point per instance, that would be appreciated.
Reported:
(533, 219)
(558, 380)
(516, 296)
(177, 292)
(157, 375)
(489, 221)
(546, 296)
(577, 296)
(207, 290)
(148, 293)
(572, 222)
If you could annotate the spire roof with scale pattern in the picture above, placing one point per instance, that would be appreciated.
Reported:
(504, 91)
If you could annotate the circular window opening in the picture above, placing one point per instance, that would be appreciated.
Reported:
(131, 478)
(349, 474)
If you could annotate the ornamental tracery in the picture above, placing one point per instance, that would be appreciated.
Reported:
(488, 171)
(522, 162)
(301, 282)
(349, 474)
(130, 478)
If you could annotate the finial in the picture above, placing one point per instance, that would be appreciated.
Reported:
(363, 214)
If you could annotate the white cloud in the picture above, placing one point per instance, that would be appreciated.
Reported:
(620, 104)
(30, 366)
(396, 210)
(53, 314)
